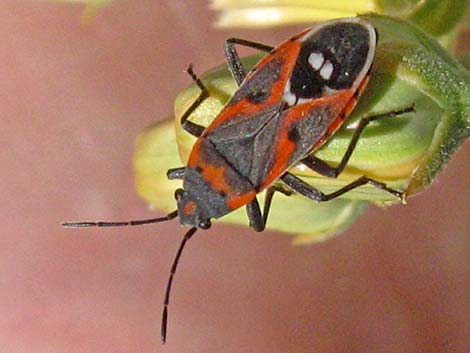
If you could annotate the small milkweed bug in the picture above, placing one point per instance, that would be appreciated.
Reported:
(285, 108)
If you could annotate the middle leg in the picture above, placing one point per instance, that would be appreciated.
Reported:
(257, 219)
(323, 168)
(309, 191)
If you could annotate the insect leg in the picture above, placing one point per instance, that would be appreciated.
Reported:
(233, 59)
(309, 191)
(269, 198)
(254, 215)
(327, 170)
(175, 173)
(258, 219)
(321, 167)
(194, 129)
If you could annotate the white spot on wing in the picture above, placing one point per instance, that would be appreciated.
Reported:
(372, 41)
(288, 96)
(303, 100)
(326, 70)
(316, 60)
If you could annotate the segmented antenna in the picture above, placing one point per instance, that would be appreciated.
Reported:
(138, 222)
(168, 217)
(186, 237)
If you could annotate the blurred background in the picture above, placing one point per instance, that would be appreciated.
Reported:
(72, 100)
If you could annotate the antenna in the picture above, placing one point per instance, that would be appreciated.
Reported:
(138, 222)
(186, 237)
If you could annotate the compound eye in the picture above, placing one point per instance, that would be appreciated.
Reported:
(205, 224)
(179, 194)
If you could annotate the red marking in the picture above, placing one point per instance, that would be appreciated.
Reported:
(362, 86)
(215, 177)
(189, 207)
(284, 146)
(235, 201)
(301, 34)
(286, 53)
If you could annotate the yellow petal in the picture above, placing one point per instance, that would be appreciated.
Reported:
(264, 13)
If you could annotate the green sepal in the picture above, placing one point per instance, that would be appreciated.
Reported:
(436, 17)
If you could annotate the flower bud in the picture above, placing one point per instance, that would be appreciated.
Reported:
(406, 152)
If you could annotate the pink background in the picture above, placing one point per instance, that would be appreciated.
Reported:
(72, 100)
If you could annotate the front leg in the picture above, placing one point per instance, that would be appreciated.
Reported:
(257, 219)
(193, 128)
(254, 215)
(176, 173)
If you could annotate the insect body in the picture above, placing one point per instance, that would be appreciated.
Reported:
(286, 107)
